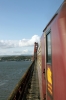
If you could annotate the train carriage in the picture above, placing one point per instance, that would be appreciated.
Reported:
(51, 58)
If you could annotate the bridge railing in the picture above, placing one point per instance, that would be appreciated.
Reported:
(20, 90)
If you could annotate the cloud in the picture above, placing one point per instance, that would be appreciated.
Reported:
(16, 52)
(20, 52)
(29, 42)
(18, 47)
(8, 44)
(4, 44)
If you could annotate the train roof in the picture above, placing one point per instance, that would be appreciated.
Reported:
(54, 16)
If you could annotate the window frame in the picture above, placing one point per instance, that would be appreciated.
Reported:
(47, 55)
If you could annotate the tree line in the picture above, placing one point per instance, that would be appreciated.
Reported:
(16, 58)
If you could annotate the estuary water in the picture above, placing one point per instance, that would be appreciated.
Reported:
(10, 73)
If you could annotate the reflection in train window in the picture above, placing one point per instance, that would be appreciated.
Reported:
(48, 48)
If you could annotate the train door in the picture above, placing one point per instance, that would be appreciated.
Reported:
(48, 67)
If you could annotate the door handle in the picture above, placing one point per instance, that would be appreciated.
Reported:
(44, 71)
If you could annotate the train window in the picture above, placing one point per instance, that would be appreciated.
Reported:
(48, 48)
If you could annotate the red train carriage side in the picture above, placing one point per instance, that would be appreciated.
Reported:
(51, 59)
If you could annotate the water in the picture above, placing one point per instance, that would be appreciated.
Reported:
(10, 73)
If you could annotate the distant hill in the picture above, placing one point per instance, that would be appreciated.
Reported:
(16, 58)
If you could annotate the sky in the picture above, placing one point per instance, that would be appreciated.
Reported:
(22, 23)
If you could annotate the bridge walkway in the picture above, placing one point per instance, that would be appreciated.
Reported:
(33, 90)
